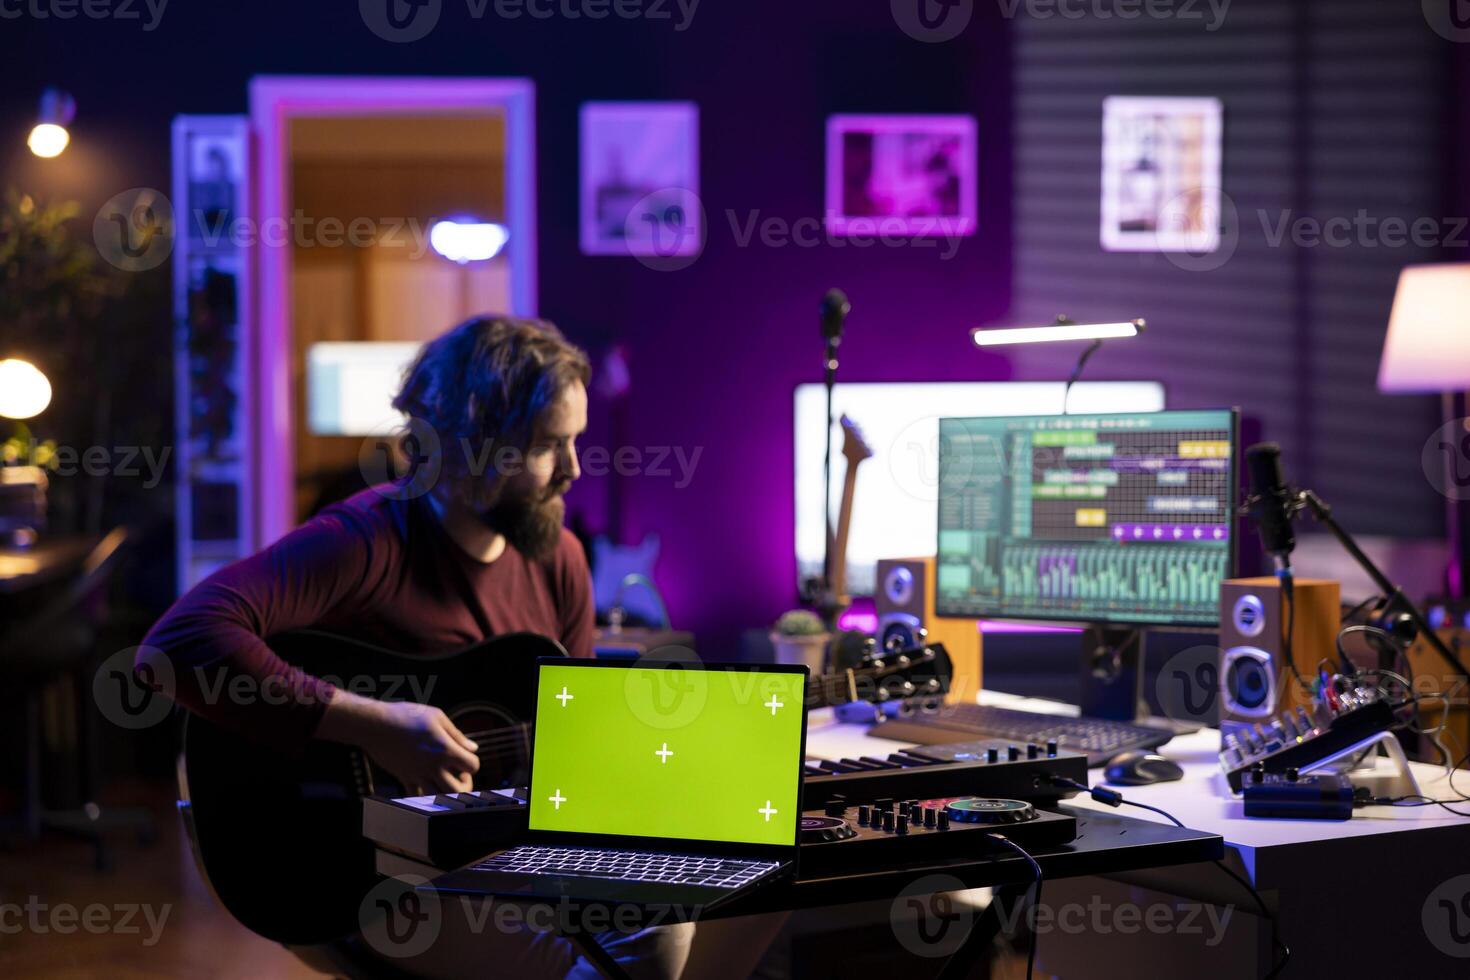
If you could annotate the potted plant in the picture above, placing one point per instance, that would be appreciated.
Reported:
(23, 466)
(800, 637)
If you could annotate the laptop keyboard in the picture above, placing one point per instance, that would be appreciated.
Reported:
(621, 865)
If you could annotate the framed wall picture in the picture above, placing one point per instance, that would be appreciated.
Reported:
(640, 179)
(901, 175)
(1161, 180)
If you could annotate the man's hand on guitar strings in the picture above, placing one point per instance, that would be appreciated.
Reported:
(416, 743)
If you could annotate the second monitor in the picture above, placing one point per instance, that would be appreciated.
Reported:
(1121, 519)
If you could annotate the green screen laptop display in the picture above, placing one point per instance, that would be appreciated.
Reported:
(673, 753)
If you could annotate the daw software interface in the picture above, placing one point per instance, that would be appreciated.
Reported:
(1087, 518)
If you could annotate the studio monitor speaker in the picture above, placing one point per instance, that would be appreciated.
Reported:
(904, 598)
(1256, 682)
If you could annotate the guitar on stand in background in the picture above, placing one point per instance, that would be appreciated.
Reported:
(828, 595)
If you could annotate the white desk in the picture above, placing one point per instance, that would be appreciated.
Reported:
(1354, 898)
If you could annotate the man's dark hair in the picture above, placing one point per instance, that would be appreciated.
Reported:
(483, 385)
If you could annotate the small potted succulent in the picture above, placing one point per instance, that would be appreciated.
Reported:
(800, 637)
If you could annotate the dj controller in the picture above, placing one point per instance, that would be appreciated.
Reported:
(856, 812)
(842, 839)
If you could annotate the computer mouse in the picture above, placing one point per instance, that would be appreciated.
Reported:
(1142, 768)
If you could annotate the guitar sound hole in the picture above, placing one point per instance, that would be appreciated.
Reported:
(505, 744)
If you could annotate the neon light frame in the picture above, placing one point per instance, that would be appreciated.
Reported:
(274, 102)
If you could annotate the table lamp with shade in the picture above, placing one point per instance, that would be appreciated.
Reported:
(24, 393)
(1427, 351)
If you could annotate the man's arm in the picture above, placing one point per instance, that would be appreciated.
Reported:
(214, 636)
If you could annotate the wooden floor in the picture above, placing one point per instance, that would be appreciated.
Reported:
(197, 938)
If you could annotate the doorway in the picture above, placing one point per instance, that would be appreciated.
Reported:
(389, 210)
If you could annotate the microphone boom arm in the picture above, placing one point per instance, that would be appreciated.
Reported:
(1322, 513)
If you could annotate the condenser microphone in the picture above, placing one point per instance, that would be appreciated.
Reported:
(1270, 502)
(835, 308)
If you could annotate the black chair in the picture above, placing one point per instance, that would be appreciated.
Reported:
(59, 641)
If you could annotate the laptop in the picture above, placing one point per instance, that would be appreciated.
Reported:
(655, 783)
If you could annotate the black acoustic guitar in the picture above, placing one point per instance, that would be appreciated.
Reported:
(279, 837)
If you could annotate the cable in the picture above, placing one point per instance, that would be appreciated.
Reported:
(1288, 592)
(1412, 800)
(1359, 607)
(1113, 798)
(1035, 895)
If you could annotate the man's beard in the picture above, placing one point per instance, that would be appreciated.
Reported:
(532, 525)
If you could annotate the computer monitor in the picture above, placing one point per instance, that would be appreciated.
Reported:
(893, 505)
(350, 386)
(1112, 519)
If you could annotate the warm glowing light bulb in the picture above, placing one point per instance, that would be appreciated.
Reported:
(24, 390)
(48, 140)
(468, 241)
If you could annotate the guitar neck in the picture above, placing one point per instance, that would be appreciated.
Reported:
(828, 690)
(837, 574)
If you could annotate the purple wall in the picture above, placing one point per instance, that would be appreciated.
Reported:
(716, 348)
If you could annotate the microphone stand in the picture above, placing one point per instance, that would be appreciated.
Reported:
(1322, 514)
(826, 601)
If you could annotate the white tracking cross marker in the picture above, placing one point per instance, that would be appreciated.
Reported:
(773, 704)
(664, 754)
(557, 799)
(564, 697)
(765, 809)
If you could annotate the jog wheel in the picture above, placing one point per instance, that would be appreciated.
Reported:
(819, 830)
(973, 809)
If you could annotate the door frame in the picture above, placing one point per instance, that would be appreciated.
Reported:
(274, 102)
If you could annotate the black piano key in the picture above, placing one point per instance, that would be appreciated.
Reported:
(879, 763)
(488, 798)
(450, 802)
(472, 800)
(832, 766)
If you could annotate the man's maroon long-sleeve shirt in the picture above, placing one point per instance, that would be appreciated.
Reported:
(371, 568)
